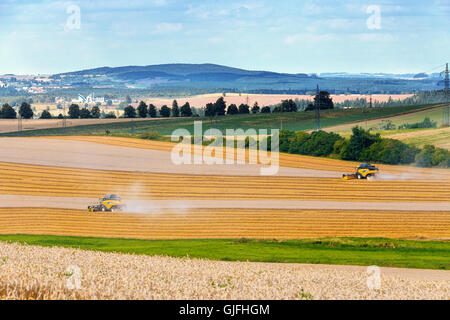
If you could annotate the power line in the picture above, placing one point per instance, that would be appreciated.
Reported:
(317, 109)
(19, 123)
(434, 68)
(446, 113)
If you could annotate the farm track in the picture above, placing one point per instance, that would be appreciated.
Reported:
(23, 179)
(227, 223)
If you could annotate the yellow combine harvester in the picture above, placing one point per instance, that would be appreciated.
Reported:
(364, 171)
(110, 202)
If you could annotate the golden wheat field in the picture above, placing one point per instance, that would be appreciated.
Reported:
(31, 273)
(227, 223)
(24, 179)
(285, 160)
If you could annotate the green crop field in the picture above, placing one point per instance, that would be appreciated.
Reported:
(343, 251)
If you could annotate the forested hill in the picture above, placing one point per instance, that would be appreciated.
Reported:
(208, 76)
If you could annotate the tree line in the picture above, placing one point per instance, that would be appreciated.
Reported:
(8, 112)
(219, 108)
(361, 146)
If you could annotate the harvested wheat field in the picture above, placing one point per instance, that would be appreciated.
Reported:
(227, 223)
(266, 99)
(57, 181)
(29, 272)
(315, 164)
(87, 155)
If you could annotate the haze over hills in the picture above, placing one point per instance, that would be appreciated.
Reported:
(216, 78)
(209, 76)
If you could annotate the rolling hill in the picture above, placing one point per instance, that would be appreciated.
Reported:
(207, 76)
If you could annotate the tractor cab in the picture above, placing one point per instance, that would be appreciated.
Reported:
(110, 196)
(366, 170)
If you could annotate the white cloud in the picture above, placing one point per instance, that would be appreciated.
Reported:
(308, 37)
(292, 39)
(339, 23)
(379, 37)
(215, 40)
(159, 3)
(166, 27)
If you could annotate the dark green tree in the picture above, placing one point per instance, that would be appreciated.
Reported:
(95, 112)
(152, 111)
(142, 109)
(7, 112)
(324, 101)
(359, 140)
(25, 111)
(60, 116)
(85, 113)
(244, 109)
(186, 110)
(288, 106)
(129, 112)
(210, 110)
(220, 107)
(45, 115)
(277, 109)
(232, 109)
(74, 111)
(255, 108)
(164, 111)
(175, 109)
(265, 110)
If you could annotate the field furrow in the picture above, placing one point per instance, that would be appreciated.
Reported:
(24, 179)
(227, 223)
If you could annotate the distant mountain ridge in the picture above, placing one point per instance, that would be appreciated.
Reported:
(182, 69)
(208, 76)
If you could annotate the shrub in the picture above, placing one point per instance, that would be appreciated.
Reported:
(110, 115)
(318, 143)
(389, 151)
(359, 141)
(339, 146)
(153, 135)
(424, 158)
(286, 138)
(426, 123)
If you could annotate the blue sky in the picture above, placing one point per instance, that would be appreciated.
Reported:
(284, 36)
